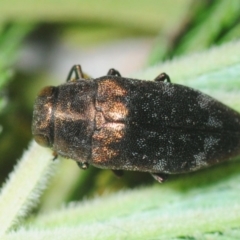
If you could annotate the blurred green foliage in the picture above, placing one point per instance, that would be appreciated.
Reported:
(177, 28)
(207, 23)
(11, 37)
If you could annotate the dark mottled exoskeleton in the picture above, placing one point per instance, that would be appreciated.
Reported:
(126, 124)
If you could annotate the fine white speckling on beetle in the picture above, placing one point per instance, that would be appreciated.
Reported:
(127, 124)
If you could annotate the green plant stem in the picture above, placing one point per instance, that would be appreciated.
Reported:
(24, 186)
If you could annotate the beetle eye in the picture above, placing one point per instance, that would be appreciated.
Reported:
(42, 140)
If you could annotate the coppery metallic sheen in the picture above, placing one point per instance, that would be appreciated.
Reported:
(127, 124)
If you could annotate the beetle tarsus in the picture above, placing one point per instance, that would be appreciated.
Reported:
(118, 173)
(160, 177)
(162, 78)
(83, 165)
(55, 155)
(77, 70)
(113, 72)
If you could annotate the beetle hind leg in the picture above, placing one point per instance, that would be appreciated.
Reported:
(162, 78)
(160, 177)
(83, 165)
(118, 173)
(113, 72)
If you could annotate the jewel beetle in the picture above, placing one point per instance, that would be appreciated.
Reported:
(121, 124)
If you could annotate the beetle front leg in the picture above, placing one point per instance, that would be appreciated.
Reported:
(162, 78)
(77, 70)
(113, 72)
(160, 177)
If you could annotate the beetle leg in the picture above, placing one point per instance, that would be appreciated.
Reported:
(113, 72)
(162, 78)
(83, 166)
(160, 177)
(77, 70)
(118, 173)
(55, 156)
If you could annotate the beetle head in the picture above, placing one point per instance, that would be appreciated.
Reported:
(42, 124)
